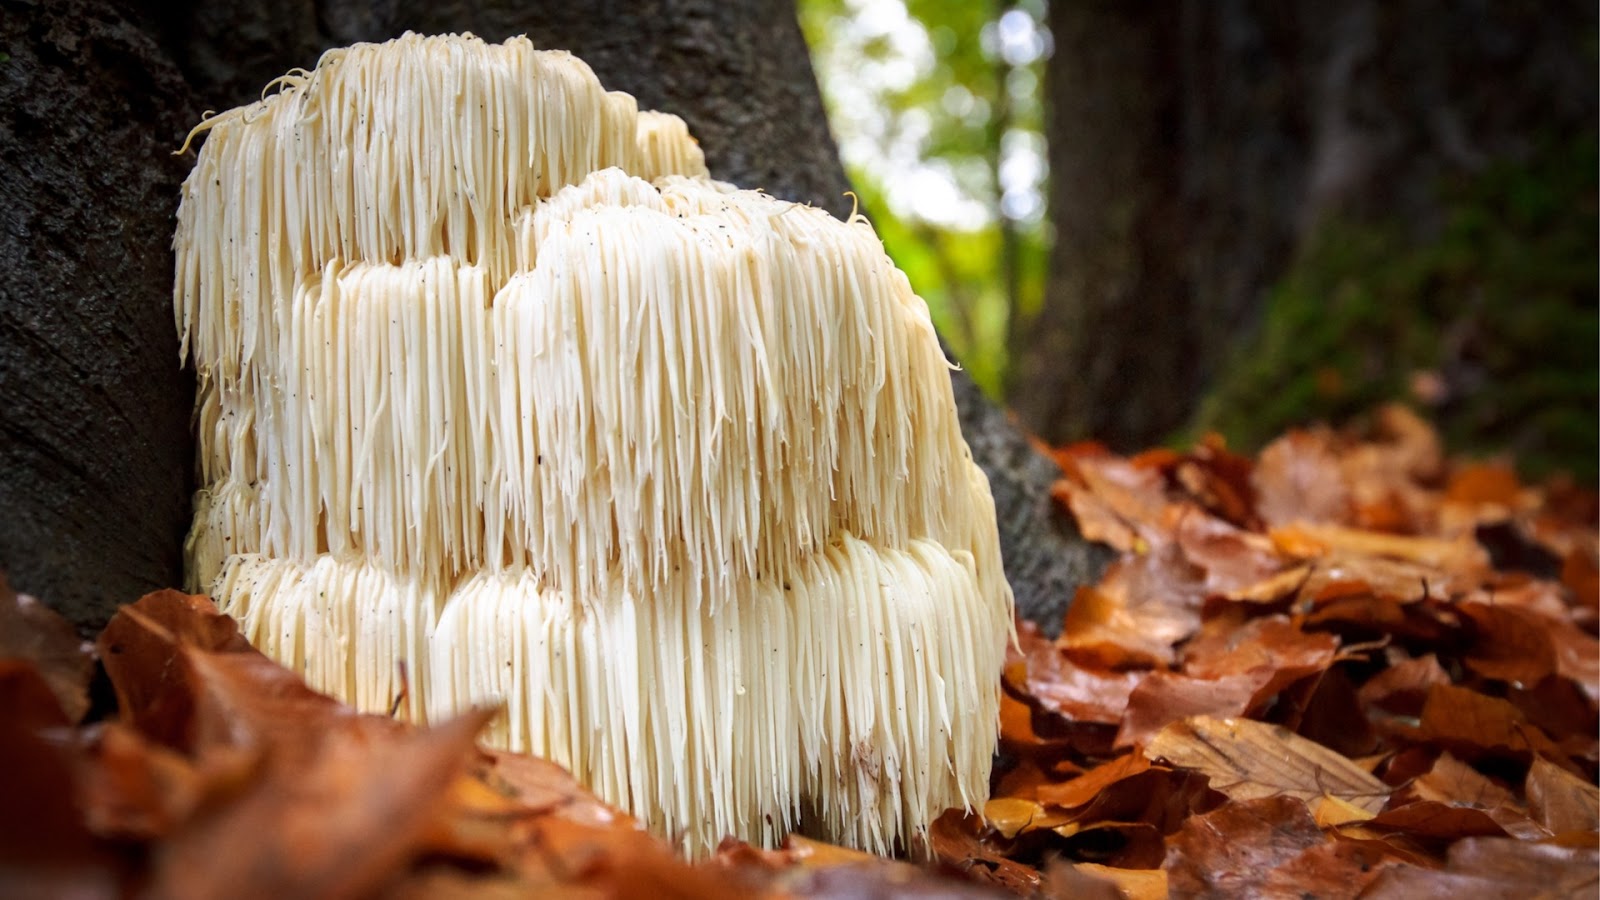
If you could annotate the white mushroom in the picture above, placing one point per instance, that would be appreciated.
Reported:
(671, 469)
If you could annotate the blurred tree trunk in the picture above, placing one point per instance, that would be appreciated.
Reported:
(1196, 147)
(1110, 353)
(94, 484)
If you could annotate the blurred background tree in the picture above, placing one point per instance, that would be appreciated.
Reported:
(1138, 220)
(936, 106)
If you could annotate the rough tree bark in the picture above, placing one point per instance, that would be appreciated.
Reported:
(1109, 353)
(94, 412)
(737, 72)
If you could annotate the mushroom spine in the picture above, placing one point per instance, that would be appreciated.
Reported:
(495, 381)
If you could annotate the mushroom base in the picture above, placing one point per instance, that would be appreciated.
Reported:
(863, 688)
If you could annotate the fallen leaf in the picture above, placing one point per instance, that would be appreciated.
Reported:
(1163, 698)
(1239, 849)
(1577, 657)
(29, 703)
(1333, 716)
(1068, 880)
(32, 632)
(1233, 559)
(1497, 868)
(1141, 608)
(1083, 789)
(1332, 812)
(1115, 501)
(1219, 480)
(1128, 844)
(955, 840)
(132, 788)
(1580, 572)
(1403, 687)
(1329, 870)
(41, 833)
(1561, 801)
(1473, 725)
(1248, 760)
(1485, 484)
(1433, 819)
(140, 650)
(1273, 588)
(1270, 642)
(1011, 816)
(1457, 555)
(1298, 478)
(1510, 644)
(1078, 692)
(1453, 781)
(1134, 884)
(340, 825)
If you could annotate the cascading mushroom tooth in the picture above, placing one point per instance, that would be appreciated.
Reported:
(501, 388)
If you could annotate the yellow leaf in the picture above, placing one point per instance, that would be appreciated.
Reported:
(1135, 884)
(1331, 812)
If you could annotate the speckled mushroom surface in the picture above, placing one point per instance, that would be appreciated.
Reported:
(503, 400)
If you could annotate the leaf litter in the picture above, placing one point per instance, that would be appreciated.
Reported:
(1348, 667)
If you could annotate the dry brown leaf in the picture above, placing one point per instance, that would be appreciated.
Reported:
(34, 633)
(1268, 847)
(1273, 588)
(1233, 559)
(1141, 608)
(1577, 657)
(140, 649)
(1453, 781)
(131, 788)
(1333, 812)
(1078, 692)
(1086, 787)
(1167, 697)
(40, 825)
(1012, 816)
(341, 825)
(1486, 484)
(1560, 800)
(1455, 556)
(1472, 725)
(1403, 687)
(956, 840)
(26, 698)
(1298, 478)
(1329, 870)
(1499, 868)
(1270, 642)
(1510, 644)
(1580, 572)
(1134, 884)
(1247, 760)
(1433, 819)
(1116, 501)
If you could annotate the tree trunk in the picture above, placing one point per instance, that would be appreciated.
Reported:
(95, 454)
(738, 73)
(1196, 147)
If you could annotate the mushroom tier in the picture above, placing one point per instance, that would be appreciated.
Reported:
(671, 469)
(856, 692)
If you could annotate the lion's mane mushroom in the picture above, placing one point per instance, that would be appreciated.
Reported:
(671, 469)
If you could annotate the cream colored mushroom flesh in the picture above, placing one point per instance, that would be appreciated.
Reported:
(503, 400)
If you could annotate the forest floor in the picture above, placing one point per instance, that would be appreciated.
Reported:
(1348, 667)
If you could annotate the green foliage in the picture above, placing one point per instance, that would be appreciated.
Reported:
(951, 118)
(1492, 322)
